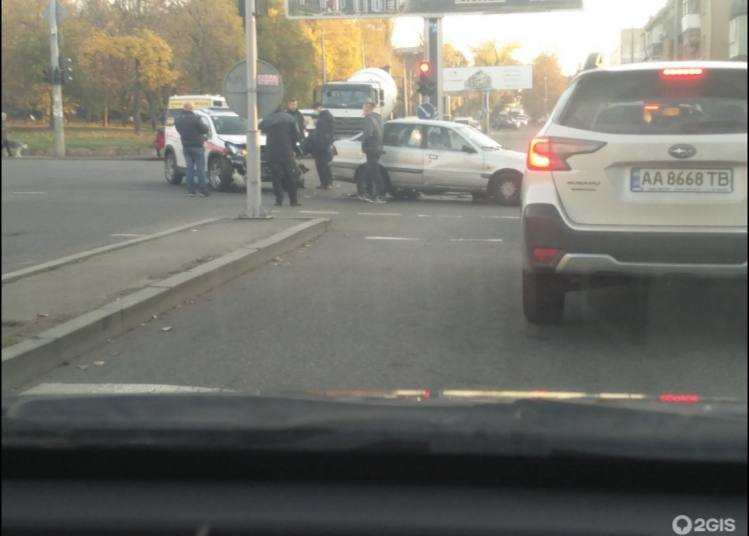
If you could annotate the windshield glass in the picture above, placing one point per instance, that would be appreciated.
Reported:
(229, 125)
(347, 96)
(478, 137)
(546, 206)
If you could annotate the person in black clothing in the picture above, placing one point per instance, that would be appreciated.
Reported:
(282, 137)
(293, 110)
(372, 146)
(322, 140)
(193, 131)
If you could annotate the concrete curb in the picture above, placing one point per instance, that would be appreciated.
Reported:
(51, 265)
(23, 362)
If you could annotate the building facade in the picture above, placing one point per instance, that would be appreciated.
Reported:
(695, 30)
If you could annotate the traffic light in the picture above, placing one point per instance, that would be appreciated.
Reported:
(66, 70)
(426, 78)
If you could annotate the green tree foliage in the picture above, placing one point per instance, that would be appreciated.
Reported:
(25, 53)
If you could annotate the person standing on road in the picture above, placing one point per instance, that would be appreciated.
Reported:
(322, 141)
(292, 108)
(372, 147)
(282, 136)
(193, 131)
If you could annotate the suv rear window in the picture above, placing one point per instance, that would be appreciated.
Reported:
(644, 102)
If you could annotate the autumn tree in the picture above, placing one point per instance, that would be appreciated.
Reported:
(288, 45)
(25, 54)
(207, 40)
(125, 65)
(548, 84)
(452, 57)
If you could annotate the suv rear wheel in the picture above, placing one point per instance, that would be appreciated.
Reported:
(172, 174)
(543, 298)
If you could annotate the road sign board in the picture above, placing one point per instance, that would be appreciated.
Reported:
(331, 9)
(269, 88)
(502, 78)
(426, 111)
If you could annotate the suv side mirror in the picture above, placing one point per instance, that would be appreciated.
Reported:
(468, 149)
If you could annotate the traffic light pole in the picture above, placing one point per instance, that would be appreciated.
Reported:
(433, 48)
(56, 78)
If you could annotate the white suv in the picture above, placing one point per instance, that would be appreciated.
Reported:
(640, 171)
(225, 148)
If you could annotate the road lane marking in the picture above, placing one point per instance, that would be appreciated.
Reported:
(126, 235)
(393, 238)
(28, 193)
(500, 217)
(320, 212)
(378, 214)
(478, 240)
(114, 388)
(448, 216)
(424, 216)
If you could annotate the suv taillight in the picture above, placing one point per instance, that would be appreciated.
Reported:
(551, 154)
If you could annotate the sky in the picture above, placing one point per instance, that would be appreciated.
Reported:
(571, 34)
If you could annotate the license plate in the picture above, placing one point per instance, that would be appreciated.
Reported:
(688, 181)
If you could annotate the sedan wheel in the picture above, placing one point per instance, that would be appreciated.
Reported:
(505, 189)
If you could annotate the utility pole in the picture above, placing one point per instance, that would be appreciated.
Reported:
(254, 208)
(56, 77)
(433, 50)
(546, 94)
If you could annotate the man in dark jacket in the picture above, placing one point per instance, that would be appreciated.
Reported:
(193, 131)
(293, 110)
(372, 146)
(282, 136)
(322, 140)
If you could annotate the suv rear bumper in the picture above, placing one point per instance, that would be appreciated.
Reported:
(631, 253)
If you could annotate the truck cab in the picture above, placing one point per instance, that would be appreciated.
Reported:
(346, 99)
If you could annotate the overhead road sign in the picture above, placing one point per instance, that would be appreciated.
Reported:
(347, 9)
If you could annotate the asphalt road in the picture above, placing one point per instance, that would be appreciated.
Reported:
(426, 294)
(422, 294)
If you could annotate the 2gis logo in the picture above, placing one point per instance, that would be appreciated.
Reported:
(683, 525)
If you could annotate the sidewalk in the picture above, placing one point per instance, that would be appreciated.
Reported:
(71, 306)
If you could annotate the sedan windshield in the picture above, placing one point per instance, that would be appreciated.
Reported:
(478, 137)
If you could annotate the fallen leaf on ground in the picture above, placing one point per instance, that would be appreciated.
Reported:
(83, 367)
(42, 315)
(99, 363)
(166, 328)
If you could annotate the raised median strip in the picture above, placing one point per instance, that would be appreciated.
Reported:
(25, 361)
(77, 257)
